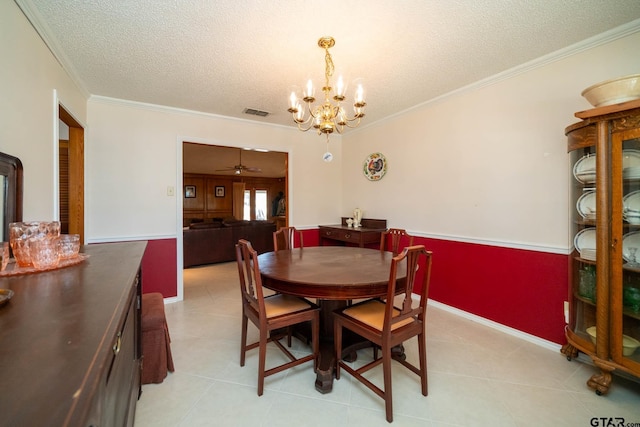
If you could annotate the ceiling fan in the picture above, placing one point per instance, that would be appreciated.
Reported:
(239, 168)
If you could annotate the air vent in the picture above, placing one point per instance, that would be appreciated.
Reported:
(255, 112)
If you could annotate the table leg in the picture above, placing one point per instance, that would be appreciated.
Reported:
(326, 359)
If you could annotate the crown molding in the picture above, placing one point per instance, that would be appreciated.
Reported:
(590, 43)
(167, 109)
(46, 35)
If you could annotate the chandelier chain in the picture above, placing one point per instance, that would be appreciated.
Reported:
(328, 72)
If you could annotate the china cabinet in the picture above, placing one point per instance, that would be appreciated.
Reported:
(604, 275)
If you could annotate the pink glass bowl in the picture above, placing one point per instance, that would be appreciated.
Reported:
(20, 233)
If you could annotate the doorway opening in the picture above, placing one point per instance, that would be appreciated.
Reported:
(221, 188)
(71, 175)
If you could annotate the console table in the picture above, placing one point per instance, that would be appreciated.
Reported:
(368, 233)
(70, 341)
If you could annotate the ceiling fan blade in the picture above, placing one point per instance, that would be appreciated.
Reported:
(239, 168)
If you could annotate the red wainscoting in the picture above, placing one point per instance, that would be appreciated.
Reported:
(311, 237)
(159, 268)
(521, 289)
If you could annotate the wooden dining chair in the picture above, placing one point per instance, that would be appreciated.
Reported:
(269, 313)
(395, 235)
(387, 326)
(284, 238)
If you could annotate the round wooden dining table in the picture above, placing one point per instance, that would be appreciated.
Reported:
(333, 275)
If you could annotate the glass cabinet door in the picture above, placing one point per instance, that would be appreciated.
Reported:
(625, 280)
(584, 231)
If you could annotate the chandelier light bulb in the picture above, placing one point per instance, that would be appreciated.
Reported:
(309, 92)
(299, 113)
(341, 89)
(293, 99)
(341, 117)
(359, 94)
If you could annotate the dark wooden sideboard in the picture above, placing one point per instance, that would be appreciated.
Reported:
(368, 233)
(70, 352)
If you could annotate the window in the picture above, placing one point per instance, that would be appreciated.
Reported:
(261, 204)
(255, 204)
(247, 205)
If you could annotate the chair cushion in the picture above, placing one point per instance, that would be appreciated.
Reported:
(279, 304)
(153, 317)
(372, 313)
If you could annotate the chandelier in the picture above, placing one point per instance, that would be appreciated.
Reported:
(328, 116)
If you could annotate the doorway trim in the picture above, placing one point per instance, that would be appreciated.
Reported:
(76, 168)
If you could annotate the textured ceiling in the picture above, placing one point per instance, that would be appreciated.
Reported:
(224, 56)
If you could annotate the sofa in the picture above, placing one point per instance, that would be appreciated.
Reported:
(213, 242)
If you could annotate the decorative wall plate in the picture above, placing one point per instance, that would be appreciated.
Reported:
(375, 166)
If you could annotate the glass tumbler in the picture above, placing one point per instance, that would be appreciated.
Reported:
(44, 252)
(69, 245)
(19, 235)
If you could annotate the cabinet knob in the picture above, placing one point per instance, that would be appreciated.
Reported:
(347, 236)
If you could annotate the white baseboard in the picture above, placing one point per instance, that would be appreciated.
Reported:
(495, 325)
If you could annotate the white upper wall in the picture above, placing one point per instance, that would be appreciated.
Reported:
(29, 75)
(487, 164)
(134, 155)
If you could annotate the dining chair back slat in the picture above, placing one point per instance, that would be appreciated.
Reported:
(249, 275)
(395, 236)
(284, 238)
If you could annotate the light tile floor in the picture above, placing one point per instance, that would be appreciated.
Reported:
(478, 376)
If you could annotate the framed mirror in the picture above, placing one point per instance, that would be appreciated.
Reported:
(10, 193)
